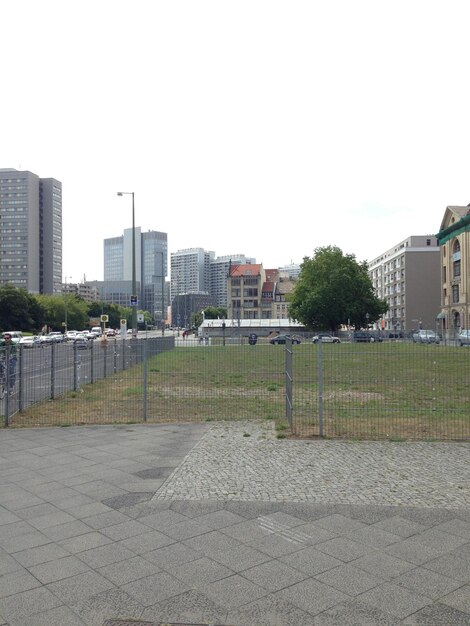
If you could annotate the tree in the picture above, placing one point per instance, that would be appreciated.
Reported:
(334, 289)
(19, 310)
(209, 313)
(59, 307)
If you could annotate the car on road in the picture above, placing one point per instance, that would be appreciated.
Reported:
(463, 338)
(55, 337)
(425, 336)
(281, 339)
(81, 342)
(31, 341)
(365, 336)
(325, 338)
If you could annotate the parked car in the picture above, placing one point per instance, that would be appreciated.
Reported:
(30, 341)
(365, 336)
(55, 337)
(280, 339)
(463, 338)
(325, 338)
(82, 343)
(110, 332)
(425, 336)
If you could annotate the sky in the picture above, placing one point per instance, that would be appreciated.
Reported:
(253, 127)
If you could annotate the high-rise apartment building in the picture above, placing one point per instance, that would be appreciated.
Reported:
(151, 251)
(190, 271)
(30, 231)
(408, 277)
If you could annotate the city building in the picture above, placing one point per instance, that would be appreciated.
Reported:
(245, 290)
(30, 231)
(454, 241)
(190, 271)
(219, 271)
(151, 252)
(83, 290)
(256, 293)
(184, 305)
(408, 278)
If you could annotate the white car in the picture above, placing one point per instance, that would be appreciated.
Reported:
(463, 338)
(325, 338)
(30, 341)
(425, 336)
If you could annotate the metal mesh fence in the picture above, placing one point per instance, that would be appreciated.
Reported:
(389, 390)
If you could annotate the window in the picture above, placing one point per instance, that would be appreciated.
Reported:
(455, 293)
(456, 259)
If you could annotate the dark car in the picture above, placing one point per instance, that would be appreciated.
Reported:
(279, 339)
(365, 336)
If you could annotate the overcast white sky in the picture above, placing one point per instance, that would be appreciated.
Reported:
(259, 127)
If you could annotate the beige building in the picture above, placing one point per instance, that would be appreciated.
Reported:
(256, 293)
(454, 240)
(407, 277)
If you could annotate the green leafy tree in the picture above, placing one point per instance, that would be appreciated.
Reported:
(59, 307)
(334, 289)
(19, 310)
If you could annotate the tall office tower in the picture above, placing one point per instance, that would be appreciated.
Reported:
(219, 271)
(30, 231)
(151, 251)
(190, 271)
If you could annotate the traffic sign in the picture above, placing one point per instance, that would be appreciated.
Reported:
(104, 318)
(133, 300)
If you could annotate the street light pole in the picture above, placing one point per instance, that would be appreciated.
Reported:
(134, 283)
(163, 295)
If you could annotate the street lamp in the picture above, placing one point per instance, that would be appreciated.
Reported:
(134, 285)
(65, 302)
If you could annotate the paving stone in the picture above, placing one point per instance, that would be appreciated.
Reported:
(267, 611)
(395, 600)
(56, 570)
(312, 596)
(152, 589)
(189, 607)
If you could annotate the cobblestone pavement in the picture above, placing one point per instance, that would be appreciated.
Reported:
(246, 462)
(224, 524)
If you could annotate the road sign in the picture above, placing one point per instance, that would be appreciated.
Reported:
(104, 318)
(140, 317)
(133, 300)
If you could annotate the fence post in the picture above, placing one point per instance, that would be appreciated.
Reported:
(52, 371)
(115, 355)
(76, 369)
(20, 379)
(320, 385)
(104, 347)
(145, 379)
(7, 385)
(92, 362)
(289, 380)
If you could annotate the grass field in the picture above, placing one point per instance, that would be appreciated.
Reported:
(390, 390)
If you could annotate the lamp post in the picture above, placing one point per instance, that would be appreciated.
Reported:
(134, 285)
(65, 302)
(163, 293)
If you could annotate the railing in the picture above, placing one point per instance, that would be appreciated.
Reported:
(389, 390)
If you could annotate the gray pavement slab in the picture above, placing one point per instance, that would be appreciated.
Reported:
(197, 524)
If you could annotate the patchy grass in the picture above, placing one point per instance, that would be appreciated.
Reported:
(384, 391)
